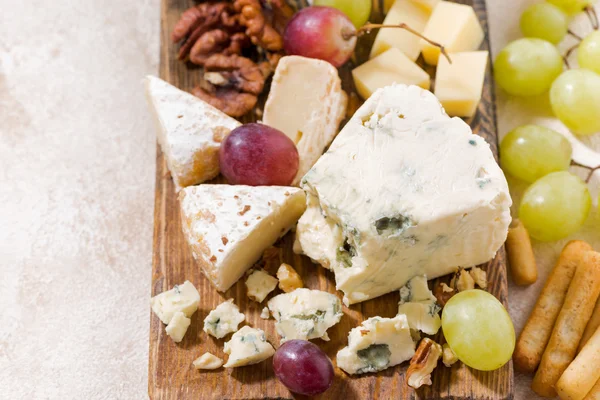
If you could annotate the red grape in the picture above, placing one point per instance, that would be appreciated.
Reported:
(258, 155)
(320, 32)
(303, 367)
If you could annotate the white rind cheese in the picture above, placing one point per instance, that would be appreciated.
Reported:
(207, 361)
(182, 298)
(223, 320)
(229, 226)
(420, 306)
(178, 326)
(247, 346)
(413, 192)
(305, 314)
(259, 284)
(377, 344)
(307, 103)
(190, 132)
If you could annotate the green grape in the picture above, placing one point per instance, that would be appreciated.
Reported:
(527, 67)
(532, 151)
(588, 53)
(571, 6)
(478, 330)
(575, 99)
(357, 10)
(544, 21)
(555, 206)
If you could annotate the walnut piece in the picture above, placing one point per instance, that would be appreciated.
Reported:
(423, 363)
(479, 276)
(448, 356)
(463, 281)
(289, 280)
(443, 293)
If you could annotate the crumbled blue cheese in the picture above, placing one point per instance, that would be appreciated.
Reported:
(305, 314)
(247, 346)
(264, 314)
(420, 306)
(378, 343)
(207, 361)
(223, 320)
(178, 326)
(402, 192)
(182, 298)
(260, 284)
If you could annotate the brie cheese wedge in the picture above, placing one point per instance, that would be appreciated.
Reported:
(247, 346)
(412, 191)
(228, 226)
(190, 132)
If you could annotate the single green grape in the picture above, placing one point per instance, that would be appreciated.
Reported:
(544, 21)
(357, 10)
(571, 6)
(532, 151)
(555, 206)
(478, 330)
(588, 53)
(575, 99)
(527, 67)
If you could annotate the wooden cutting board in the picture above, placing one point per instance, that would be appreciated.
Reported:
(170, 372)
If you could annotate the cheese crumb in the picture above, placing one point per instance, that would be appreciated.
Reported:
(264, 314)
(178, 326)
(207, 361)
(260, 284)
(479, 276)
(289, 280)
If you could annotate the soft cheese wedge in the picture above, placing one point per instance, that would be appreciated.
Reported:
(412, 192)
(307, 103)
(378, 343)
(190, 132)
(229, 226)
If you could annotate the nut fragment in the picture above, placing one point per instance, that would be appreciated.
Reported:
(448, 356)
(479, 276)
(443, 293)
(289, 280)
(423, 363)
(462, 281)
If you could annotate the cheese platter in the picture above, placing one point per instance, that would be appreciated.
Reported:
(188, 365)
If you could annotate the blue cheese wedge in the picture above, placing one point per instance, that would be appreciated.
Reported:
(259, 284)
(247, 346)
(305, 314)
(190, 132)
(229, 226)
(178, 326)
(413, 192)
(207, 361)
(420, 306)
(182, 298)
(378, 343)
(307, 103)
(223, 320)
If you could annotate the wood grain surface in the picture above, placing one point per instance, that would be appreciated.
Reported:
(170, 373)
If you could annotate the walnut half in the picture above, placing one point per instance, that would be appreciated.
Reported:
(289, 280)
(423, 363)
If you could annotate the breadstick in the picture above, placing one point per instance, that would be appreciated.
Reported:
(537, 330)
(591, 327)
(570, 324)
(520, 254)
(594, 394)
(581, 375)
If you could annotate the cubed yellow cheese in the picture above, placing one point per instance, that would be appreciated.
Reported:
(385, 69)
(410, 13)
(453, 25)
(427, 4)
(458, 85)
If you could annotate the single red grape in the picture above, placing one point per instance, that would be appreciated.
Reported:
(303, 367)
(325, 33)
(258, 155)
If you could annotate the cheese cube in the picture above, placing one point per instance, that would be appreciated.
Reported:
(307, 103)
(413, 192)
(453, 25)
(190, 132)
(458, 85)
(182, 298)
(247, 346)
(387, 68)
(377, 344)
(259, 284)
(178, 326)
(229, 226)
(427, 4)
(410, 13)
(207, 361)
(223, 320)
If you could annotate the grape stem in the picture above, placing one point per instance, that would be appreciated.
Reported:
(576, 36)
(590, 169)
(368, 27)
(593, 16)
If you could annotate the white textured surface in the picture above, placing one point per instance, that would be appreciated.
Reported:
(77, 150)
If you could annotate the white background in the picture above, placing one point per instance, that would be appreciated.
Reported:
(77, 161)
